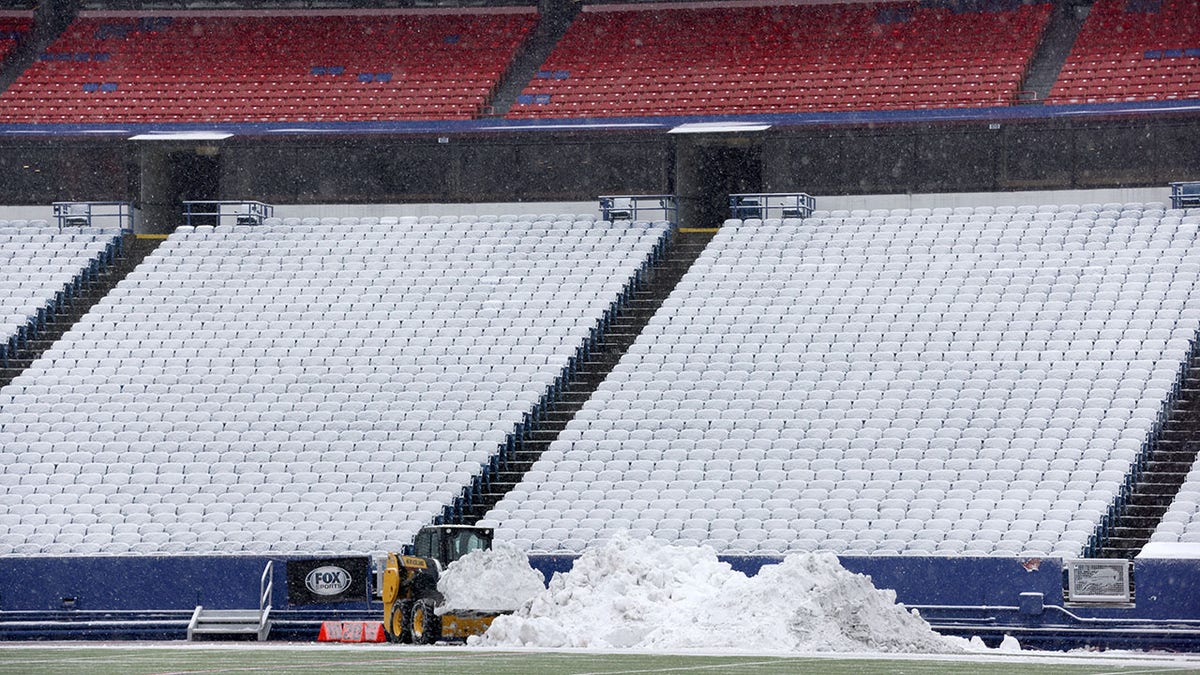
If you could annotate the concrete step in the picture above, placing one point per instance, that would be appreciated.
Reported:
(1140, 511)
(1122, 550)
(1171, 464)
(1173, 454)
(543, 435)
(1131, 533)
(507, 478)
(226, 629)
(228, 616)
(1172, 476)
(523, 456)
(1150, 501)
(1141, 522)
(1157, 489)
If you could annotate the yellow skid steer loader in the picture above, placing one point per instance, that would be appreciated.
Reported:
(411, 599)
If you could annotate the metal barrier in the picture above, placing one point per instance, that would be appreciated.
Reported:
(771, 205)
(226, 212)
(266, 586)
(636, 207)
(1185, 195)
(93, 214)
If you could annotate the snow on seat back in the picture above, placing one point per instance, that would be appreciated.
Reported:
(289, 389)
(872, 386)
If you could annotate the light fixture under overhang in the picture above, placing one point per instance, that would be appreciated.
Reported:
(718, 127)
(182, 136)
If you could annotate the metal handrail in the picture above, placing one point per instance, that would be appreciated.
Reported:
(266, 585)
(762, 205)
(635, 207)
(85, 214)
(195, 621)
(1185, 194)
(242, 212)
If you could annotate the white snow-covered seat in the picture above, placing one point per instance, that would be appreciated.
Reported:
(271, 375)
(904, 393)
(37, 266)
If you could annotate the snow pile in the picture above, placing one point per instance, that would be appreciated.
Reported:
(651, 595)
(499, 579)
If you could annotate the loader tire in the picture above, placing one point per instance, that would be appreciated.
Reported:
(398, 627)
(426, 625)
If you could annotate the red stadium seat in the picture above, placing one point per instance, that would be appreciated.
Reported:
(1109, 61)
(760, 55)
(265, 63)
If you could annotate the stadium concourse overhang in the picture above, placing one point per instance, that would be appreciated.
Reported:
(153, 596)
(719, 124)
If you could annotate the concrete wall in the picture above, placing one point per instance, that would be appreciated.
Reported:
(1035, 197)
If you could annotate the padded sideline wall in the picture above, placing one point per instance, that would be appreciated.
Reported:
(54, 597)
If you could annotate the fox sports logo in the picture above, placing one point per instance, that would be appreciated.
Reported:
(327, 580)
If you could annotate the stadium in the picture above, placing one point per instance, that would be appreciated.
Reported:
(299, 295)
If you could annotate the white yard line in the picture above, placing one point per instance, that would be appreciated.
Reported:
(1107, 663)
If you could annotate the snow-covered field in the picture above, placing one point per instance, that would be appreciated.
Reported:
(178, 657)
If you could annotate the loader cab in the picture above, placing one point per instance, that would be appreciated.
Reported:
(447, 543)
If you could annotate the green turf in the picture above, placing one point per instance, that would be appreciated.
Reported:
(32, 659)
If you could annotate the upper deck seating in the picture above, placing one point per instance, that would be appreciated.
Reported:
(946, 381)
(318, 386)
(239, 68)
(1126, 53)
(787, 58)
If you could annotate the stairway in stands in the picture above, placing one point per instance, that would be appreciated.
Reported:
(51, 18)
(1171, 456)
(133, 251)
(622, 331)
(552, 25)
(1066, 20)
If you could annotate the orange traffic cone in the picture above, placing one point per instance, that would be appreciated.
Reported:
(331, 631)
(373, 632)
